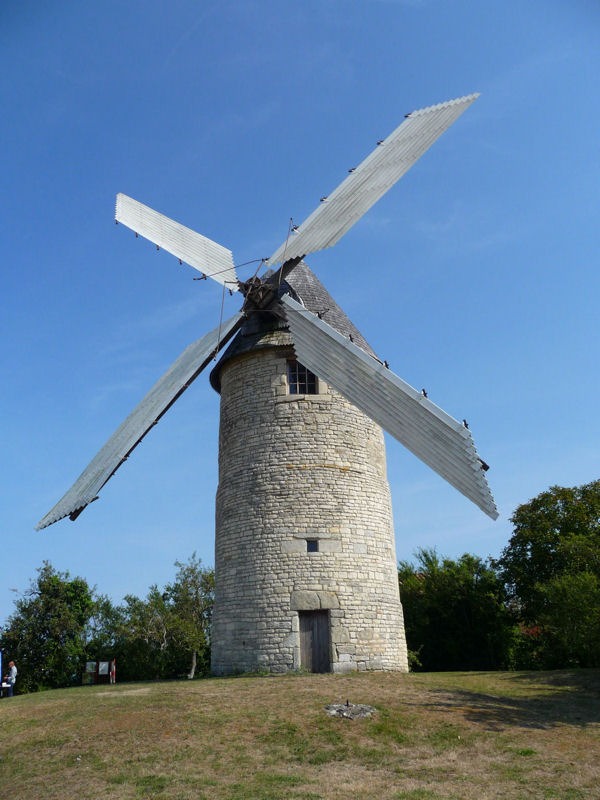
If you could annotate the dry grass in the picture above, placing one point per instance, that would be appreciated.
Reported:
(463, 736)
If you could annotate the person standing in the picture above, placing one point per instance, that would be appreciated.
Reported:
(113, 671)
(11, 678)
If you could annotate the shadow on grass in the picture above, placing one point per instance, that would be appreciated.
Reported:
(568, 697)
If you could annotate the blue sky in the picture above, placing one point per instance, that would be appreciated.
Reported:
(475, 277)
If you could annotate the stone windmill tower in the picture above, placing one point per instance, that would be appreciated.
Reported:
(304, 536)
(305, 562)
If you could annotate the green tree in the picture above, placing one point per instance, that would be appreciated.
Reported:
(60, 623)
(145, 637)
(167, 633)
(191, 598)
(557, 532)
(46, 635)
(570, 620)
(105, 630)
(455, 613)
(551, 568)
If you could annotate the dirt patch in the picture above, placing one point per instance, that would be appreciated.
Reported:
(123, 692)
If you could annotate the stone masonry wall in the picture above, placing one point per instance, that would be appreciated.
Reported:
(293, 467)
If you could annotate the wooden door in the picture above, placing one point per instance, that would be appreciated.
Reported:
(314, 641)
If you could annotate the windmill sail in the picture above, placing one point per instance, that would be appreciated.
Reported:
(442, 442)
(203, 254)
(131, 432)
(431, 434)
(366, 184)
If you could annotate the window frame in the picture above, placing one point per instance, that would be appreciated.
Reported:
(300, 380)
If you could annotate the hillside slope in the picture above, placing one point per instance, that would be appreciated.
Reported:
(452, 735)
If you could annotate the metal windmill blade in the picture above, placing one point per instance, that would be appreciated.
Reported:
(145, 415)
(442, 442)
(208, 257)
(447, 449)
(368, 182)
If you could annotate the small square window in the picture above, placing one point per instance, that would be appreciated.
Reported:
(312, 545)
(301, 380)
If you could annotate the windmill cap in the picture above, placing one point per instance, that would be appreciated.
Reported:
(265, 329)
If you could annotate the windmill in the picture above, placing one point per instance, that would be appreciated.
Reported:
(305, 561)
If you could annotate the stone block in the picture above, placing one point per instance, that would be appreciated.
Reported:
(330, 546)
(328, 600)
(293, 546)
(301, 600)
(339, 635)
(343, 667)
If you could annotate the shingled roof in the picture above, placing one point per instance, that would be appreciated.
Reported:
(304, 286)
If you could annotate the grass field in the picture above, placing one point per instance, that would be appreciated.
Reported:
(446, 735)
